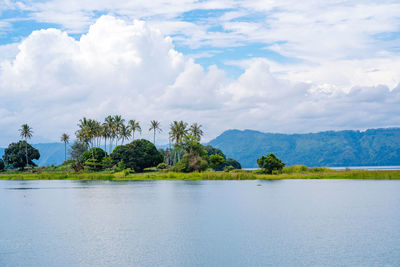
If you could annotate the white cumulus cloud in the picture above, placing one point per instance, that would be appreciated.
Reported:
(131, 68)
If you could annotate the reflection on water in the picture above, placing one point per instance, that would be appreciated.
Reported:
(200, 223)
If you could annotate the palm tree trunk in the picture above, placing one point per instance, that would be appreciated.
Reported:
(65, 151)
(154, 137)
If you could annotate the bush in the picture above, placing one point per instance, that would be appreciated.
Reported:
(94, 153)
(161, 166)
(270, 163)
(77, 166)
(228, 168)
(191, 163)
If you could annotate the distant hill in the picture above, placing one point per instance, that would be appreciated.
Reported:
(375, 147)
(50, 153)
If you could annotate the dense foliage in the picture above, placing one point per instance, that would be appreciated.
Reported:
(138, 155)
(16, 154)
(270, 163)
(95, 153)
(1, 165)
(376, 147)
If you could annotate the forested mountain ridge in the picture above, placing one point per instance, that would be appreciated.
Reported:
(373, 147)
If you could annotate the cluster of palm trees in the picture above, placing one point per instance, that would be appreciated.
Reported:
(179, 130)
(113, 130)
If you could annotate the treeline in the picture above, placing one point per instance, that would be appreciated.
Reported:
(101, 146)
(184, 154)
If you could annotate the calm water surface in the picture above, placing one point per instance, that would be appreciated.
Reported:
(202, 223)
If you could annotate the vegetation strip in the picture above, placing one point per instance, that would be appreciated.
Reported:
(240, 175)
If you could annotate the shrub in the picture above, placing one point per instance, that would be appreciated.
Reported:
(161, 166)
(191, 163)
(77, 166)
(228, 168)
(270, 163)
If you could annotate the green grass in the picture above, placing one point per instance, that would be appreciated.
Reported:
(292, 172)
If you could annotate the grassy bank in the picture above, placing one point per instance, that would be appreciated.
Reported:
(238, 175)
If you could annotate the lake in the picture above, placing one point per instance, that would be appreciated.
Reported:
(200, 223)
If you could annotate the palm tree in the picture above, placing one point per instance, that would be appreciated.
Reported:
(124, 133)
(177, 131)
(118, 122)
(109, 130)
(134, 126)
(26, 133)
(196, 131)
(155, 126)
(65, 139)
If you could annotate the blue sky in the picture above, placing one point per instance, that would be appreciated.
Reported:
(235, 63)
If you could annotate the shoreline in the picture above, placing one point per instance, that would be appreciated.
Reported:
(242, 175)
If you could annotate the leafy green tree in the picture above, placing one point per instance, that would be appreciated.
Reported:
(93, 165)
(216, 161)
(155, 127)
(95, 153)
(65, 139)
(26, 133)
(138, 155)
(133, 127)
(107, 163)
(214, 151)
(17, 153)
(270, 163)
(2, 165)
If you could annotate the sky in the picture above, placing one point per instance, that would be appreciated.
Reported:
(282, 66)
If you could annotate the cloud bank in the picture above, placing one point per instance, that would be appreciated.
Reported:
(133, 69)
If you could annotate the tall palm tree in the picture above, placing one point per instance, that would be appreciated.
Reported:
(65, 139)
(196, 131)
(118, 122)
(110, 133)
(155, 127)
(178, 129)
(26, 133)
(124, 133)
(133, 127)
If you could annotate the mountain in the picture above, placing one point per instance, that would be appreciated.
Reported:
(374, 147)
(50, 153)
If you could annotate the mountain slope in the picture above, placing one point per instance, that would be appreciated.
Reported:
(375, 147)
